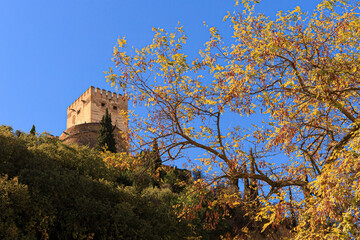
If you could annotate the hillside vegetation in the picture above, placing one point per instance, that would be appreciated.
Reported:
(49, 190)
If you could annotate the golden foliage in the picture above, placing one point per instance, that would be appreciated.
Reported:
(299, 73)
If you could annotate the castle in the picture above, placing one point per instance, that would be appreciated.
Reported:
(84, 115)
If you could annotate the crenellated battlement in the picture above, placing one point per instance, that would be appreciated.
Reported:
(106, 94)
(99, 93)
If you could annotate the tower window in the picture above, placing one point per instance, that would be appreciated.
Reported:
(103, 104)
(115, 107)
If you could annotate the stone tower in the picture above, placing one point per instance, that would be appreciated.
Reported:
(84, 115)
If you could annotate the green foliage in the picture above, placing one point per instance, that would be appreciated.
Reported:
(49, 190)
(16, 219)
(177, 178)
(155, 154)
(106, 138)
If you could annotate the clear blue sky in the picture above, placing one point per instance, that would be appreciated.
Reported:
(52, 51)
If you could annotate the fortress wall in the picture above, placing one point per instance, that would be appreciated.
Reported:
(86, 134)
(80, 110)
(115, 103)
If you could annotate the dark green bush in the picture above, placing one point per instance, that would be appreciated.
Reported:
(53, 191)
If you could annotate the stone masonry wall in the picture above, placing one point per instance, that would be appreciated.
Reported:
(87, 133)
(80, 110)
(115, 103)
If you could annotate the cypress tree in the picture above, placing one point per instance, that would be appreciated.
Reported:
(33, 131)
(155, 154)
(156, 162)
(106, 133)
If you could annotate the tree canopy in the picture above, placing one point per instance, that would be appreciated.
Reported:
(299, 74)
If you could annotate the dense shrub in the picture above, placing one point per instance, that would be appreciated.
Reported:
(16, 220)
(49, 190)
